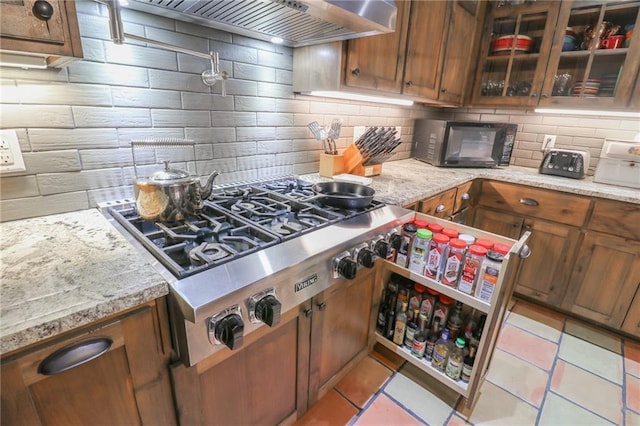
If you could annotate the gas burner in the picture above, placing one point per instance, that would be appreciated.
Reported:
(286, 228)
(209, 252)
(240, 206)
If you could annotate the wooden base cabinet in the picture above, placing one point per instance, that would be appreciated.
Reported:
(545, 275)
(256, 384)
(341, 325)
(605, 280)
(126, 383)
(279, 372)
(494, 311)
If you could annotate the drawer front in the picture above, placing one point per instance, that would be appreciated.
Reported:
(464, 196)
(440, 205)
(616, 218)
(540, 203)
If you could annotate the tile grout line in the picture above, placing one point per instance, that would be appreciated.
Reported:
(405, 408)
(549, 390)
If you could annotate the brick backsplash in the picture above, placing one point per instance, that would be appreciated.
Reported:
(75, 124)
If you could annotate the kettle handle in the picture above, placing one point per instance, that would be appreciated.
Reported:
(151, 143)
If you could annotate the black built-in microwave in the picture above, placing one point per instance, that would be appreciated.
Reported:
(463, 143)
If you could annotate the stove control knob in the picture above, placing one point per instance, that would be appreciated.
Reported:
(366, 258)
(268, 310)
(381, 248)
(230, 330)
(347, 268)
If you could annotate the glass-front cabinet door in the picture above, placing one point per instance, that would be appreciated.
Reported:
(594, 62)
(515, 48)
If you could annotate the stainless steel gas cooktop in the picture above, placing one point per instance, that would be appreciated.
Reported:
(255, 246)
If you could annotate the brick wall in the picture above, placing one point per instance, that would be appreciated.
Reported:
(75, 124)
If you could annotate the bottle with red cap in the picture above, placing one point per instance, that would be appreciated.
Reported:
(450, 232)
(490, 271)
(435, 255)
(471, 268)
(453, 262)
(435, 228)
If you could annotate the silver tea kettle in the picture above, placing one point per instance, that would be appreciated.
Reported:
(169, 194)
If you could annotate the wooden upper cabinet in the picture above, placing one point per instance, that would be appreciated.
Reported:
(425, 48)
(610, 72)
(57, 38)
(511, 71)
(459, 52)
(377, 62)
(426, 58)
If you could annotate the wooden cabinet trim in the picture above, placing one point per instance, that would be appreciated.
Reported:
(616, 218)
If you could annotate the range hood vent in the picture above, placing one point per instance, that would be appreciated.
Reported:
(297, 23)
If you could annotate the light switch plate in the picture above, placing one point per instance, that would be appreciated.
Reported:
(11, 160)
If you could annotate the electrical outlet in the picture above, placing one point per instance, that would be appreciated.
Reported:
(548, 142)
(11, 160)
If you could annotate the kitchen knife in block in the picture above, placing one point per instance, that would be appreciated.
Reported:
(352, 158)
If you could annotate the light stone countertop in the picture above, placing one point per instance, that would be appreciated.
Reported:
(406, 181)
(63, 271)
(66, 270)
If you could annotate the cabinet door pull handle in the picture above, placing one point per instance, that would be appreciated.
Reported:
(322, 306)
(529, 202)
(42, 10)
(524, 252)
(308, 312)
(74, 355)
(440, 208)
(465, 196)
(409, 83)
(355, 72)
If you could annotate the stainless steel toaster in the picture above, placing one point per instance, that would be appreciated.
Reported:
(565, 162)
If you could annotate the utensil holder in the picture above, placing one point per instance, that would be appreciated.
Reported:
(331, 165)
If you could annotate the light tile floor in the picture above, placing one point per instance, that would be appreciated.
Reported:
(546, 370)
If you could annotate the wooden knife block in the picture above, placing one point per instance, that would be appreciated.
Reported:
(353, 163)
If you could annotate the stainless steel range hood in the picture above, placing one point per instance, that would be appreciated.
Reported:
(297, 23)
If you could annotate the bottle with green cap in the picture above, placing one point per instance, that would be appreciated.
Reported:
(456, 360)
(419, 250)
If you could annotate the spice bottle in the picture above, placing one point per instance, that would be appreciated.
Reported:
(432, 338)
(450, 232)
(441, 351)
(419, 345)
(442, 308)
(419, 251)
(429, 299)
(401, 325)
(453, 262)
(467, 365)
(408, 232)
(467, 238)
(490, 271)
(456, 360)
(471, 268)
(437, 252)
(435, 228)
(454, 324)
(415, 297)
(488, 244)
(412, 328)
(421, 224)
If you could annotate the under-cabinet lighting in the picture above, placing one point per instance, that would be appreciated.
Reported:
(359, 97)
(22, 61)
(277, 40)
(587, 112)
